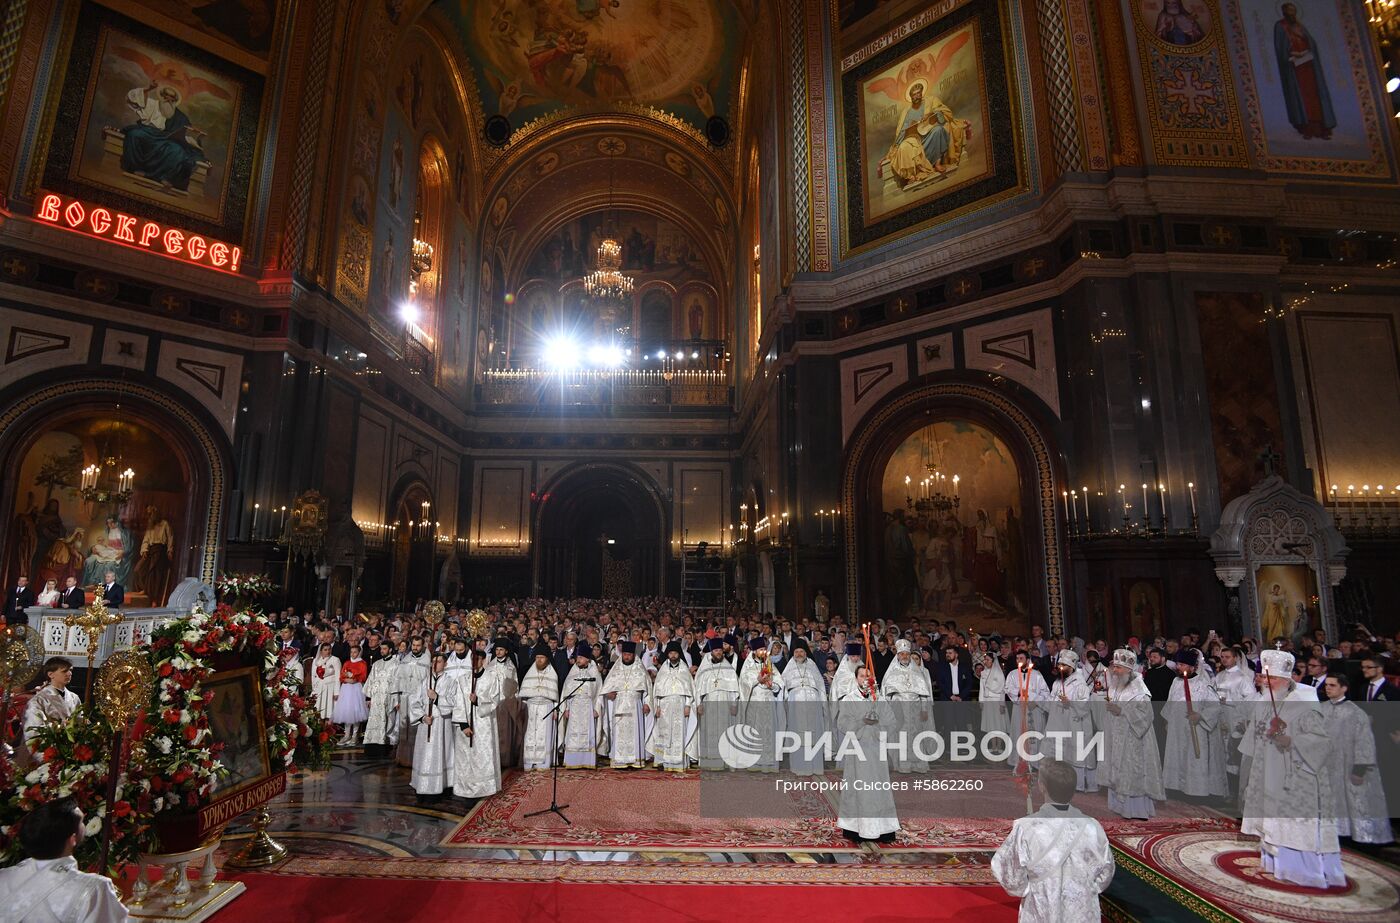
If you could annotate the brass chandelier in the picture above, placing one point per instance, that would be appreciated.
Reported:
(607, 283)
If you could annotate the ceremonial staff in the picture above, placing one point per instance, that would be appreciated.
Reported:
(124, 690)
(476, 624)
(432, 614)
(1190, 710)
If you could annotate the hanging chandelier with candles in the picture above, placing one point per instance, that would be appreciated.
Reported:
(1384, 16)
(109, 481)
(937, 493)
(608, 284)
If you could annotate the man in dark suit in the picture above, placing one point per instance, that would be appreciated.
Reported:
(1373, 686)
(72, 596)
(113, 593)
(19, 598)
(953, 675)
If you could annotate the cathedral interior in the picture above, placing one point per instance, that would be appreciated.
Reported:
(1080, 318)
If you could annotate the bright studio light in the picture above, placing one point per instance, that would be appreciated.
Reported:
(409, 313)
(1392, 84)
(561, 354)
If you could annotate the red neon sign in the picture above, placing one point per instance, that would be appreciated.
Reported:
(96, 221)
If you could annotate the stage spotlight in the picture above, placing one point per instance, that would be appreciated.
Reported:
(561, 354)
(694, 355)
(680, 354)
(605, 356)
(409, 313)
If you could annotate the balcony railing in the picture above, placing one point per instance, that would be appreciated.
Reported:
(615, 387)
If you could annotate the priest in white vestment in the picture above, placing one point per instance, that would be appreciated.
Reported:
(581, 711)
(1288, 801)
(846, 670)
(867, 810)
(475, 699)
(1069, 725)
(627, 697)
(430, 713)
(1057, 860)
(806, 715)
(381, 689)
(1027, 691)
(1236, 685)
(48, 887)
(539, 690)
(760, 690)
(1193, 761)
(991, 696)
(53, 705)
(1134, 768)
(909, 691)
(717, 703)
(1357, 793)
(672, 743)
(508, 717)
(414, 665)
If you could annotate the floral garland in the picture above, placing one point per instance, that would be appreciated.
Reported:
(244, 586)
(173, 763)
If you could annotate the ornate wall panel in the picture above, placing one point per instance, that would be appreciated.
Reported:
(867, 378)
(1022, 348)
(32, 343)
(1186, 73)
(209, 376)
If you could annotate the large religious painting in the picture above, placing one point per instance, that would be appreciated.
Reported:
(955, 549)
(1309, 87)
(929, 126)
(1287, 602)
(532, 57)
(153, 126)
(1177, 22)
(249, 26)
(55, 534)
(1142, 604)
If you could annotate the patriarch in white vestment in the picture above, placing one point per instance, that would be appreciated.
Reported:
(1288, 801)
(672, 740)
(582, 710)
(1193, 761)
(539, 690)
(760, 690)
(627, 696)
(1057, 860)
(804, 694)
(909, 691)
(1357, 794)
(430, 714)
(1134, 768)
(867, 810)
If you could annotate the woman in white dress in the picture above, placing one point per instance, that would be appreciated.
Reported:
(325, 681)
(48, 597)
(991, 696)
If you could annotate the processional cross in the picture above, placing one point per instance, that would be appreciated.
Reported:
(94, 621)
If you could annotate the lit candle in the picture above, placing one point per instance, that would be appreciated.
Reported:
(1191, 490)
(1123, 498)
(1162, 497)
(955, 485)
(1064, 495)
(1144, 503)
(1088, 524)
(1074, 507)
(254, 531)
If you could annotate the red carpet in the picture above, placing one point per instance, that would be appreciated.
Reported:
(331, 900)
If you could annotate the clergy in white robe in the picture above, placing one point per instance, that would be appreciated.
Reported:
(846, 670)
(1057, 860)
(867, 810)
(475, 698)
(582, 713)
(539, 690)
(1235, 683)
(1357, 793)
(53, 705)
(430, 714)
(717, 703)
(804, 696)
(991, 696)
(382, 727)
(413, 671)
(627, 698)
(1193, 761)
(1069, 725)
(48, 887)
(1288, 800)
(509, 721)
(1134, 768)
(325, 680)
(1027, 691)
(760, 691)
(909, 691)
(460, 657)
(671, 744)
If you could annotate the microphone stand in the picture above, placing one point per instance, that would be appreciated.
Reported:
(554, 806)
